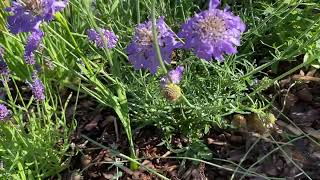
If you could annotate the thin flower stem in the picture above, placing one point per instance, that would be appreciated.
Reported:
(157, 48)
(155, 37)
(187, 102)
(138, 11)
(121, 107)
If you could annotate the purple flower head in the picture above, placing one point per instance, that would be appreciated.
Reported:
(174, 76)
(4, 112)
(32, 44)
(37, 88)
(3, 68)
(27, 15)
(109, 37)
(213, 33)
(141, 52)
(30, 59)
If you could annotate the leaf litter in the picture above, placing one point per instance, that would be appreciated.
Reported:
(252, 150)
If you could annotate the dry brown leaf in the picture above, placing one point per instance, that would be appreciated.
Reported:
(314, 133)
(311, 72)
(291, 128)
(305, 78)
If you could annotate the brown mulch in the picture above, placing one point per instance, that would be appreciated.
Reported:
(297, 97)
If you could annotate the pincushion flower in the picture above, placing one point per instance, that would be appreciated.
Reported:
(213, 33)
(169, 84)
(4, 112)
(27, 15)
(174, 76)
(32, 44)
(110, 38)
(141, 51)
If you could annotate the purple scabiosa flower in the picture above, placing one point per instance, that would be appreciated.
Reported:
(141, 52)
(27, 15)
(4, 112)
(169, 84)
(32, 44)
(213, 33)
(109, 37)
(37, 88)
(174, 76)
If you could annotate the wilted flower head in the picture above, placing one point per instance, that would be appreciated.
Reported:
(110, 38)
(27, 15)
(213, 33)
(169, 84)
(37, 88)
(141, 51)
(4, 112)
(172, 92)
(32, 44)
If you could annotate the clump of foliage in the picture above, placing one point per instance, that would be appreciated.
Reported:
(90, 45)
(34, 138)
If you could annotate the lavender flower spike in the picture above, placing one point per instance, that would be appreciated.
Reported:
(213, 33)
(109, 37)
(1, 52)
(3, 65)
(141, 52)
(37, 88)
(27, 15)
(4, 112)
(32, 44)
(4, 68)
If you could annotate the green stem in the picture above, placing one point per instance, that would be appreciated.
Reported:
(155, 37)
(138, 11)
(123, 114)
(64, 23)
(157, 48)
(122, 104)
(187, 102)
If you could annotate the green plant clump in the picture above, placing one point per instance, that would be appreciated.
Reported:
(60, 55)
